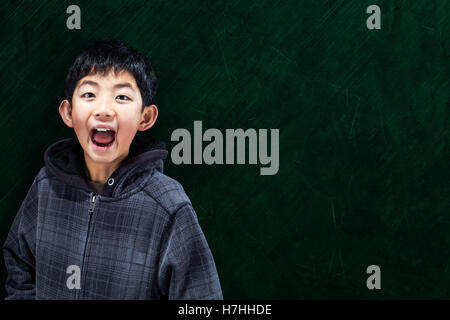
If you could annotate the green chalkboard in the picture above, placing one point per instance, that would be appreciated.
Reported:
(363, 119)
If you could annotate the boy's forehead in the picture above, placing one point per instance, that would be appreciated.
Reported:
(109, 79)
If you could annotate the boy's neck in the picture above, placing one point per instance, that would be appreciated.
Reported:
(99, 172)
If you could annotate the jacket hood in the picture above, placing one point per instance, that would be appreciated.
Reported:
(65, 159)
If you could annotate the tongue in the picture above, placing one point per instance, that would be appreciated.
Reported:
(103, 136)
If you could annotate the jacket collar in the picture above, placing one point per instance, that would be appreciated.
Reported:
(65, 159)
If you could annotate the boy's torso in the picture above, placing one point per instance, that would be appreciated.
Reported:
(108, 246)
(97, 247)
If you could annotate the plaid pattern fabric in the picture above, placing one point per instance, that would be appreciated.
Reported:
(143, 243)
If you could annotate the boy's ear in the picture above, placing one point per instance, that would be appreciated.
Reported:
(148, 117)
(65, 110)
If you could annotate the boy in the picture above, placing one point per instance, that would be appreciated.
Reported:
(100, 220)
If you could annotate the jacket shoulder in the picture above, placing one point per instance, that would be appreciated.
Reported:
(43, 177)
(43, 173)
(166, 191)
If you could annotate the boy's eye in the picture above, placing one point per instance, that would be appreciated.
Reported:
(88, 95)
(123, 97)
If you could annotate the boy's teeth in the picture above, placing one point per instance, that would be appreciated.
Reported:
(102, 129)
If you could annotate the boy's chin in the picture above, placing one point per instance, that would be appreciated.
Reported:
(101, 154)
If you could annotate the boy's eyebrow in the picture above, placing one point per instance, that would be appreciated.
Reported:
(116, 86)
(124, 85)
(92, 83)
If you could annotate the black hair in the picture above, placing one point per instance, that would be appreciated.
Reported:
(113, 55)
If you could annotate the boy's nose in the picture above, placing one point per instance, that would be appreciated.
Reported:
(103, 112)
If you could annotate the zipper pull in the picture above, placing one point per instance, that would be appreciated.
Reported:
(92, 204)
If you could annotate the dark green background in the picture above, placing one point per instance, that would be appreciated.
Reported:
(363, 118)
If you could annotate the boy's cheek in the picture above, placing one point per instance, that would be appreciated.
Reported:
(126, 133)
(80, 128)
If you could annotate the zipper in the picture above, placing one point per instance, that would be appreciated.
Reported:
(92, 200)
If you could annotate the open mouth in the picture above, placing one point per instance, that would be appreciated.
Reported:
(103, 137)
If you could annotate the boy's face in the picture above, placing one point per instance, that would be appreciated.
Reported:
(113, 101)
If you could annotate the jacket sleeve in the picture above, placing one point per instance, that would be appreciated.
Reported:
(187, 270)
(19, 250)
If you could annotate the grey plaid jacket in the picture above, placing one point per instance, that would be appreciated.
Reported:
(138, 239)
